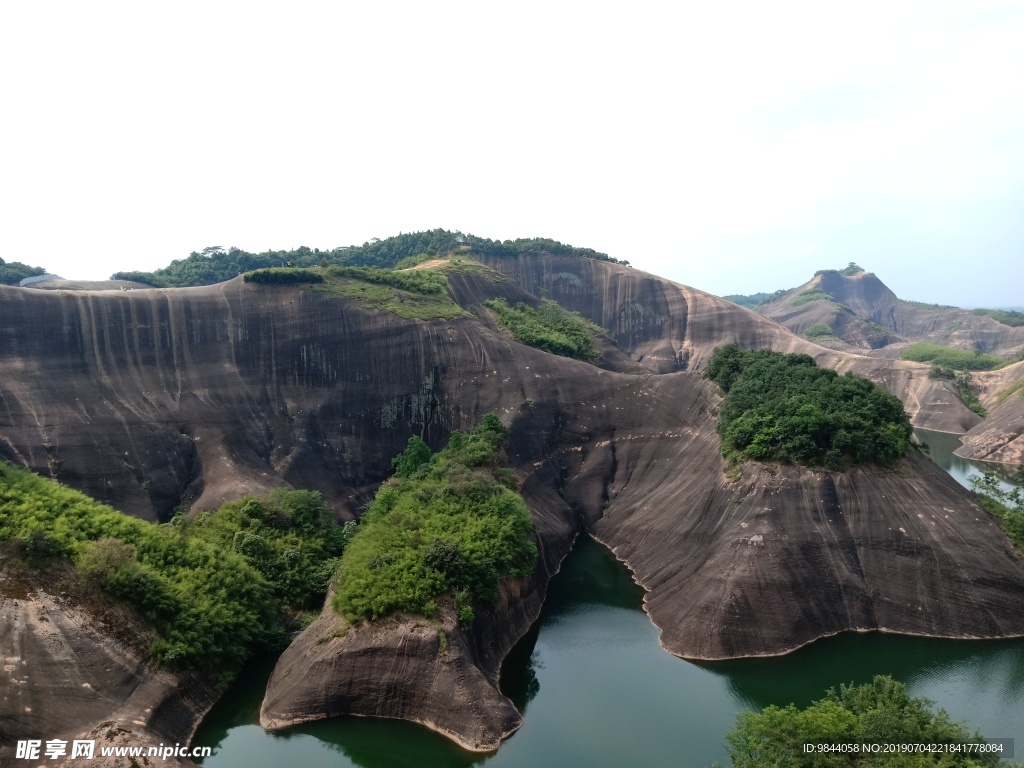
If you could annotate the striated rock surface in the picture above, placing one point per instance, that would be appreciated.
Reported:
(866, 315)
(72, 674)
(729, 566)
(669, 327)
(1000, 437)
(430, 672)
(148, 398)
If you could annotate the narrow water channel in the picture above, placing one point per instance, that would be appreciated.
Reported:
(596, 689)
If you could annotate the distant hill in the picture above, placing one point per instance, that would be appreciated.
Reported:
(851, 309)
(216, 264)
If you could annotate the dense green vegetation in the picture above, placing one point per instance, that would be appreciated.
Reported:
(421, 294)
(1008, 506)
(785, 408)
(284, 276)
(12, 273)
(550, 327)
(215, 264)
(423, 281)
(754, 300)
(849, 271)
(806, 297)
(449, 522)
(819, 329)
(954, 359)
(214, 588)
(1011, 318)
(963, 383)
(880, 712)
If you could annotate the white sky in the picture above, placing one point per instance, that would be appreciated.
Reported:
(735, 147)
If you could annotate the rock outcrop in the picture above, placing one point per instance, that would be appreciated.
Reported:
(1000, 437)
(407, 667)
(71, 674)
(866, 315)
(147, 399)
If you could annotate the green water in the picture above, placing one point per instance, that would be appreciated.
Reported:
(596, 689)
(940, 448)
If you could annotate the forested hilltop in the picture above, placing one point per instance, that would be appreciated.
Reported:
(216, 264)
(13, 272)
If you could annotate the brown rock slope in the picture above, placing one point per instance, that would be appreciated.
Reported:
(145, 398)
(69, 674)
(430, 672)
(670, 327)
(1000, 437)
(865, 314)
(729, 565)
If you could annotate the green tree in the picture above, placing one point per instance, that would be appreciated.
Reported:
(416, 454)
(785, 408)
(879, 712)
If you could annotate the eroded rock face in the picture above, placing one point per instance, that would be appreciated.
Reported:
(783, 555)
(1000, 437)
(143, 398)
(68, 676)
(867, 315)
(668, 327)
(406, 667)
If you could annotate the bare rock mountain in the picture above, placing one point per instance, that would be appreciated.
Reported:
(864, 314)
(148, 399)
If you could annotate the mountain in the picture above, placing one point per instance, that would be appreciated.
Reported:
(153, 399)
(854, 310)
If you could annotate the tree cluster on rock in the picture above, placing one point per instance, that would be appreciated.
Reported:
(785, 408)
(448, 522)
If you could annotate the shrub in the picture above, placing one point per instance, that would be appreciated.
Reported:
(13, 272)
(215, 264)
(817, 330)
(785, 408)
(1011, 318)
(284, 276)
(806, 297)
(963, 383)
(954, 359)
(880, 712)
(550, 328)
(213, 589)
(449, 526)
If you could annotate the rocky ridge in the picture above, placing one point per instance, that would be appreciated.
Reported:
(866, 315)
(150, 397)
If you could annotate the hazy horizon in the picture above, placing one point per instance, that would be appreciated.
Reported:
(734, 149)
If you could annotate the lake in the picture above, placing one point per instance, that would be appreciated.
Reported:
(596, 689)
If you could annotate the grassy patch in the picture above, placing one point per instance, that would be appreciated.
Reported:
(214, 589)
(954, 359)
(1006, 317)
(448, 522)
(1017, 389)
(925, 305)
(818, 330)
(806, 297)
(550, 328)
(421, 294)
(785, 408)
